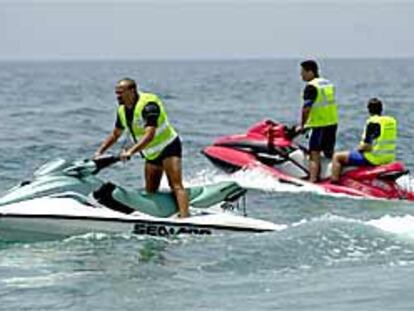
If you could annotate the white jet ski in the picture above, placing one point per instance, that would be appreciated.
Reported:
(67, 198)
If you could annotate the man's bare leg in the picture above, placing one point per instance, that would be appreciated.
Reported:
(314, 165)
(172, 168)
(153, 175)
(339, 159)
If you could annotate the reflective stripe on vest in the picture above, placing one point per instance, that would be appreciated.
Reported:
(324, 109)
(164, 133)
(158, 148)
(384, 147)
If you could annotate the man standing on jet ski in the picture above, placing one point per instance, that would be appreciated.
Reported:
(320, 114)
(145, 118)
(378, 144)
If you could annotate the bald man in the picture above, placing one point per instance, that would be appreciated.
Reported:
(144, 117)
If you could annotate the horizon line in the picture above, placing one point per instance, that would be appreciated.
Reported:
(189, 59)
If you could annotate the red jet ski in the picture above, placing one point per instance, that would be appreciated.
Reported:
(269, 146)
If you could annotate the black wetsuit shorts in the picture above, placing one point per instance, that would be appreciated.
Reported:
(323, 139)
(172, 150)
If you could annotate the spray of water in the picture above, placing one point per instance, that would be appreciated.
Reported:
(250, 178)
(406, 182)
(256, 178)
(401, 225)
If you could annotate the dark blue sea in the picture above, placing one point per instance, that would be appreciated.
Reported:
(336, 253)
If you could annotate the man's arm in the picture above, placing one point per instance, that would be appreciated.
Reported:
(372, 131)
(305, 115)
(150, 114)
(363, 147)
(309, 96)
(109, 141)
(143, 142)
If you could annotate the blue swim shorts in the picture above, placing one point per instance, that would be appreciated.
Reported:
(356, 158)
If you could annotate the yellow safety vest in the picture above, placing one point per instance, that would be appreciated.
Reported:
(383, 147)
(164, 134)
(324, 110)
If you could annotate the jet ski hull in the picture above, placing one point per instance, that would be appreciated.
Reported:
(58, 218)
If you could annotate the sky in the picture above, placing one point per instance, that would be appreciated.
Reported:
(161, 29)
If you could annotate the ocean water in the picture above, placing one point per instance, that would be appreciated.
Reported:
(335, 253)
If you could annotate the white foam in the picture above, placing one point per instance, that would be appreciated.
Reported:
(328, 217)
(40, 281)
(406, 182)
(403, 225)
(259, 179)
(250, 178)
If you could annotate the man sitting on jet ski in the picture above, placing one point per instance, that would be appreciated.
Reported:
(145, 118)
(378, 143)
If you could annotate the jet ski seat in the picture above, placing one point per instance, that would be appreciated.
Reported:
(163, 204)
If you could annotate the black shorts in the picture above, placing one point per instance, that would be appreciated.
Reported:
(172, 150)
(323, 139)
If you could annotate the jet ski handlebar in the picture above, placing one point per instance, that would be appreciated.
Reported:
(280, 130)
(294, 131)
(104, 161)
(291, 132)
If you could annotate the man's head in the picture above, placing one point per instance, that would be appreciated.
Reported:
(309, 70)
(374, 106)
(126, 92)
